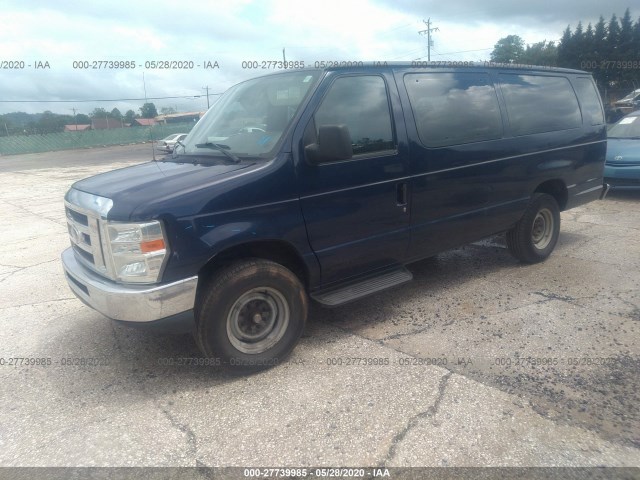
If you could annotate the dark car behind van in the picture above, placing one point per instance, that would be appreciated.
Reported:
(324, 184)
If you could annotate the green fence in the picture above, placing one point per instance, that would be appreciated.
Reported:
(19, 144)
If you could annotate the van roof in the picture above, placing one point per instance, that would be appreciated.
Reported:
(424, 65)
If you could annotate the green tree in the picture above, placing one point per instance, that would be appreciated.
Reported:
(608, 50)
(6, 127)
(613, 38)
(148, 110)
(565, 49)
(115, 113)
(611, 76)
(600, 50)
(625, 46)
(541, 53)
(626, 30)
(577, 42)
(167, 110)
(98, 112)
(600, 37)
(129, 116)
(51, 122)
(635, 42)
(509, 49)
(589, 43)
(82, 119)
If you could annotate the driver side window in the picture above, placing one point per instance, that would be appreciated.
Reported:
(360, 103)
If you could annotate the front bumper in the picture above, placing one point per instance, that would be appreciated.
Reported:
(622, 177)
(130, 303)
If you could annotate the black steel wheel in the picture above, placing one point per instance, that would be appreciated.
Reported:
(252, 315)
(535, 235)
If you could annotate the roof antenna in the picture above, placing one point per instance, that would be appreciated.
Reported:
(153, 150)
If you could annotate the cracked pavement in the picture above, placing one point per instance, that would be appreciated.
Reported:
(480, 361)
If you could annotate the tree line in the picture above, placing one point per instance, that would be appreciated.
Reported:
(18, 123)
(609, 50)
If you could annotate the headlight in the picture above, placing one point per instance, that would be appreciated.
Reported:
(138, 250)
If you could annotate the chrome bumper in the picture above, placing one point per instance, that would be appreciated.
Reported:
(132, 303)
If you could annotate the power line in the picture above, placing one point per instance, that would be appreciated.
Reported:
(465, 51)
(461, 51)
(408, 54)
(104, 99)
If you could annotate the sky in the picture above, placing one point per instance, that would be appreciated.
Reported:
(49, 42)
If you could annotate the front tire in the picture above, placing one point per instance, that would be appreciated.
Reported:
(252, 315)
(535, 235)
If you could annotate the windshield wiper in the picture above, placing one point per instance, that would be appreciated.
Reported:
(221, 148)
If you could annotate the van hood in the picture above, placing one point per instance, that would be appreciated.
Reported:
(623, 151)
(147, 183)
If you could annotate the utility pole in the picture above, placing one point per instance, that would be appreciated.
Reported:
(75, 117)
(428, 31)
(207, 89)
(284, 58)
(153, 148)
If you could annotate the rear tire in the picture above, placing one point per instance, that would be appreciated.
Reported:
(535, 235)
(252, 315)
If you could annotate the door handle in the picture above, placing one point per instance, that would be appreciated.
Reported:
(402, 195)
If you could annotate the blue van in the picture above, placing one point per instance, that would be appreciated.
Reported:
(323, 185)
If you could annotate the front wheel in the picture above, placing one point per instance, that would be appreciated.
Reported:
(535, 235)
(252, 315)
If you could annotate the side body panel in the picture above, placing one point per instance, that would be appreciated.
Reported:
(462, 193)
(355, 218)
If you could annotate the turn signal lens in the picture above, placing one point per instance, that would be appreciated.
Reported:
(152, 246)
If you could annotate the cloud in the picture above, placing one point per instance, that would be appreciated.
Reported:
(233, 32)
(524, 13)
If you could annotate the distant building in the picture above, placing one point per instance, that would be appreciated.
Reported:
(143, 122)
(76, 128)
(106, 123)
(183, 117)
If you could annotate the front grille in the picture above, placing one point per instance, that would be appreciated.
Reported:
(84, 231)
(83, 253)
(78, 217)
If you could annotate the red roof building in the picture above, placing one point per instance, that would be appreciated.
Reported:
(106, 123)
(143, 122)
(76, 128)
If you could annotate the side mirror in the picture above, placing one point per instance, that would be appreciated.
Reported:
(334, 144)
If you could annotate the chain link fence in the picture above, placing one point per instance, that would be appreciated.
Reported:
(19, 144)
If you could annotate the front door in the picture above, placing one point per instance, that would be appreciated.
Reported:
(357, 210)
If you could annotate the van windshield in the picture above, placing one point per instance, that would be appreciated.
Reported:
(250, 118)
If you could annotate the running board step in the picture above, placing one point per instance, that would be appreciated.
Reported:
(356, 290)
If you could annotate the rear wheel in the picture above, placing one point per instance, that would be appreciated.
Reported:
(252, 315)
(535, 235)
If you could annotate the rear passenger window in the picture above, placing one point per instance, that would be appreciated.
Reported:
(360, 103)
(590, 101)
(453, 108)
(538, 104)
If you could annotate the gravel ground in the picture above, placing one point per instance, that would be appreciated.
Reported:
(481, 361)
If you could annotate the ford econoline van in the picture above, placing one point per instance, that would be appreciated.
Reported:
(323, 184)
